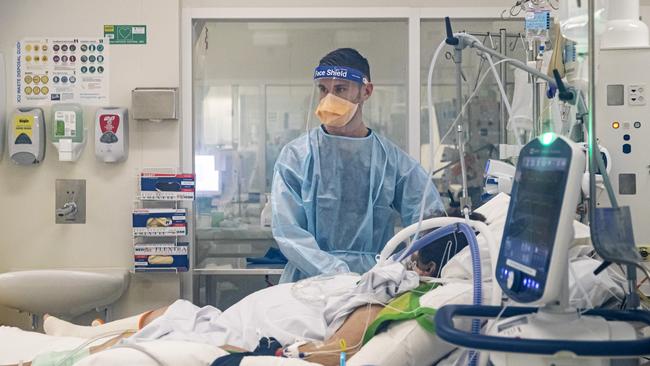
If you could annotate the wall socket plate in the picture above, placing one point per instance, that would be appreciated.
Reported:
(636, 94)
(71, 190)
(645, 253)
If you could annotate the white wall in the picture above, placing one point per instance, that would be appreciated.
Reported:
(30, 239)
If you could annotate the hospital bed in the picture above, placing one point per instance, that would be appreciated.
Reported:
(403, 343)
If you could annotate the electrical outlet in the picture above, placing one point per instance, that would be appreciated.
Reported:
(645, 253)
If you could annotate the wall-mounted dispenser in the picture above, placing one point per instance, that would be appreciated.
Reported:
(67, 131)
(3, 104)
(26, 136)
(112, 134)
(155, 104)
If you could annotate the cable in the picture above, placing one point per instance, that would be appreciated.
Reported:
(90, 341)
(645, 301)
(371, 301)
(348, 348)
(451, 128)
(489, 330)
(310, 289)
(494, 322)
(446, 255)
(645, 272)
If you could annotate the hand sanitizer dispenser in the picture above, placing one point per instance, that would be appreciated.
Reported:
(67, 131)
(112, 134)
(3, 104)
(26, 136)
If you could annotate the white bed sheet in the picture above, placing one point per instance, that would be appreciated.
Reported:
(17, 344)
(168, 352)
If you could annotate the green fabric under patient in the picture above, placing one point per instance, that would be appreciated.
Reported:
(64, 358)
(404, 307)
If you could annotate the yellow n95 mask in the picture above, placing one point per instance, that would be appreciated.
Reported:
(335, 89)
(335, 111)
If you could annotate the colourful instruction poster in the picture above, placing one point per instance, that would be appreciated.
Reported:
(69, 70)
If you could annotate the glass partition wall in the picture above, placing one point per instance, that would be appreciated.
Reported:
(252, 85)
(251, 89)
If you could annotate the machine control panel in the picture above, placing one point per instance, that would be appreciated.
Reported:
(624, 128)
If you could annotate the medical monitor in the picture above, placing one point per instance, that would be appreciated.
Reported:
(539, 226)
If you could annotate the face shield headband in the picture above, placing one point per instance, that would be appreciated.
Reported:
(340, 72)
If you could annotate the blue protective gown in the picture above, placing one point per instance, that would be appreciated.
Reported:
(335, 201)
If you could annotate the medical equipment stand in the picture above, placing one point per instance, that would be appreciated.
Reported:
(534, 269)
(502, 41)
(465, 200)
(460, 41)
(503, 73)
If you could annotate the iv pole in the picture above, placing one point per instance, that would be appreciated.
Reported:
(460, 41)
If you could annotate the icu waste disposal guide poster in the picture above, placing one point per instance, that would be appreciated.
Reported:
(70, 70)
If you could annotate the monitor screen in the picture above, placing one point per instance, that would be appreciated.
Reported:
(535, 209)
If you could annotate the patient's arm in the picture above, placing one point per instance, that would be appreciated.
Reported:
(151, 316)
(351, 331)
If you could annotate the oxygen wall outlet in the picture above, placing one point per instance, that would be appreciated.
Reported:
(70, 201)
(636, 94)
(645, 253)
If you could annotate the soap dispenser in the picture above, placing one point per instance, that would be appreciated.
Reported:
(112, 134)
(26, 136)
(67, 131)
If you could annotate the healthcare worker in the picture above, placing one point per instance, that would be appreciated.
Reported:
(337, 189)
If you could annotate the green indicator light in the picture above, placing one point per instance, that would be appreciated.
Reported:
(547, 138)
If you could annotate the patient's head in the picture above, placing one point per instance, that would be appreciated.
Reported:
(434, 256)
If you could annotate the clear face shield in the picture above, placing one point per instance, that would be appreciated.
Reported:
(336, 96)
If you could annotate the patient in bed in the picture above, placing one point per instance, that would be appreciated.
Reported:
(309, 318)
(313, 315)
